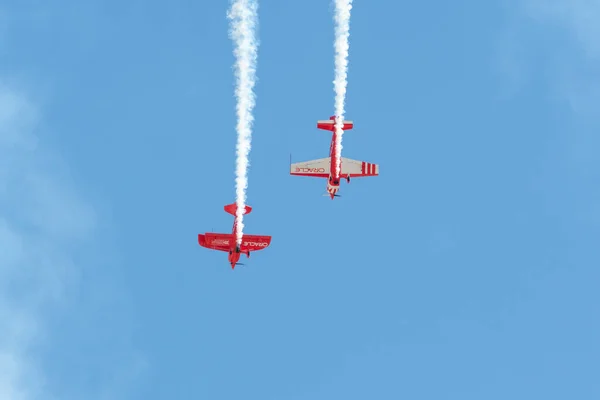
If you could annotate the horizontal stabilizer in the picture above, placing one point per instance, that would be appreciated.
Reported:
(316, 168)
(329, 125)
(232, 209)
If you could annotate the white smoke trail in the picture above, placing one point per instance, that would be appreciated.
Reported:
(243, 16)
(342, 31)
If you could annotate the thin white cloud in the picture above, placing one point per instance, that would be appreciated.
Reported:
(579, 19)
(43, 222)
(45, 225)
(32, 253)
(555, 44)
(557, 41)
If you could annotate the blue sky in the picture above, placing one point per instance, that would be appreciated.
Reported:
(468, 269)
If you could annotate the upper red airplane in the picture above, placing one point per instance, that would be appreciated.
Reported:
(325, 167)
(227, 242)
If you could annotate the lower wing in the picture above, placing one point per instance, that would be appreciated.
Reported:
(254, 242)
(316, 168)
(215, 241)
(357, 169)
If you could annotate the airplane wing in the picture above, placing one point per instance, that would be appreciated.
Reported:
(215, 241)
(317, 168)
(221, 241)
(254, 242)
(357, 169)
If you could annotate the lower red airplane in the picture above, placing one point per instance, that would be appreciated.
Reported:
(227, 242)
(326, 167)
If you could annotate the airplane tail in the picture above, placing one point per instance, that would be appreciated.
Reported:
(329, 125)
(232, 208)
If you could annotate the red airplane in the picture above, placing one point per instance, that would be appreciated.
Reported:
(325, 167)
(227, 242)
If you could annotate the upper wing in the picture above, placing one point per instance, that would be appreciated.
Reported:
(318, 168)
(357, 169)
(215, 241)
(255, 242)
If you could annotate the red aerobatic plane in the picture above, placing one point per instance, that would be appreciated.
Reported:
(325, 167)
(227, 242)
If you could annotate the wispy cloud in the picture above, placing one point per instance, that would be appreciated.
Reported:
(554, 45)
(44, 221)
(40, 218)
(579, 19)
(558, 41)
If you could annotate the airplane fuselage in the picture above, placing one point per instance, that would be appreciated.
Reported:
(233, 257)
(333, 183)
(234, 250)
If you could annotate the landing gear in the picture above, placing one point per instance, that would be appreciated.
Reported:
(348, 178)
(248, 254)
